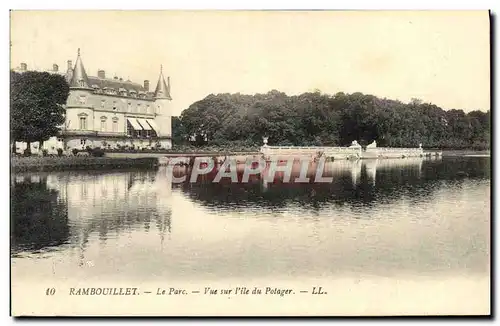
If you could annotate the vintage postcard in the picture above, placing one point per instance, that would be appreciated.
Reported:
(250, 163)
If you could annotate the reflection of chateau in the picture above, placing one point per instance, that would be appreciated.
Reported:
(102, 203)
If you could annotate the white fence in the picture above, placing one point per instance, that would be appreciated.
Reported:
(341, 152)
(308, 151)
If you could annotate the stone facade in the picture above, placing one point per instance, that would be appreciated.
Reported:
(111, 112)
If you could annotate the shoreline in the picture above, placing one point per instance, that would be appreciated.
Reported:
(127, 160)
(70, 163)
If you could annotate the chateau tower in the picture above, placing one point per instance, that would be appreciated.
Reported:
(163, 115)
(79, 78)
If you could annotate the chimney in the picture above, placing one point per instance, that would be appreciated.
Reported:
(55, 67)
(70, 65)
(24, 66)
(146, 85)
(101, 74)
(116, 77)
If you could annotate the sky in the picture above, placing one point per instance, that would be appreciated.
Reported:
(441, 57)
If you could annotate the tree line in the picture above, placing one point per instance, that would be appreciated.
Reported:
(315, 118)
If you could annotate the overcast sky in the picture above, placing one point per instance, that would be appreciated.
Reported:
(439, 57)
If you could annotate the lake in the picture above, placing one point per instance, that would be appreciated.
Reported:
(386, 236)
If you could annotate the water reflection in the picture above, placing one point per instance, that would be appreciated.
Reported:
(39, 216)
(73, 208)
(68, 208)
(360, 182)
(376, 216)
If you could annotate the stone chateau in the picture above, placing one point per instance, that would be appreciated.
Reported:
(110, 112)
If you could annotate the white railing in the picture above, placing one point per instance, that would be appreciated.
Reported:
(332, 151)
(276, 150)
(392, 149)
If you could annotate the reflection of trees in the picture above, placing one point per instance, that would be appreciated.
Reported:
(39, 219)
(376, 181)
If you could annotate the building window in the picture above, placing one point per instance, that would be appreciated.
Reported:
(102, 103)
(82, 99)
(130, 129)
(129, 107)
(148, 109)
(103, 124)
(82, 83)
(83, 123)
(115, 125)
(138, 107)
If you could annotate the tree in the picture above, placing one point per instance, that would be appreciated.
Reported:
(319, 119)
(178, 131)
(37, 106)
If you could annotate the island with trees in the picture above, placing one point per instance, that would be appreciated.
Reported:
(318, 119)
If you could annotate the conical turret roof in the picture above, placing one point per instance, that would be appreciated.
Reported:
(79, 78)
(162, 89)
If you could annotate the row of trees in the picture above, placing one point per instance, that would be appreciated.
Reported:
(36, 106)
(322, 119)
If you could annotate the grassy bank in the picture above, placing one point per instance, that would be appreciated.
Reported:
(25, 164)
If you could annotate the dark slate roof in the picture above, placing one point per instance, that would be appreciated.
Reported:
(115, 84)
(79, 74)
(162, 89)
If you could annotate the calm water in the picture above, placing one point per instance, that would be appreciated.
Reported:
(377, 218)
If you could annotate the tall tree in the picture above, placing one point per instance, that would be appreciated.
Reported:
(37, 106)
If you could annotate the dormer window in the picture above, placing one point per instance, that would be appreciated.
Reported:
(122, 91)
(142, 94)
(96, 88)
(81, 82)
(133, 93)
(109, 91)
